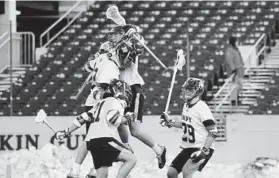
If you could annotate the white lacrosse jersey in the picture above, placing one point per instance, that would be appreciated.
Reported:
(107, 114)
(194, 132)
(105, 68)
(131, 74)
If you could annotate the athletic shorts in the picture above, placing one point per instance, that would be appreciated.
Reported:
(137, 101)
(181, 159)
(104, 151)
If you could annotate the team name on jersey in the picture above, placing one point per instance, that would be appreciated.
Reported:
(186, 118)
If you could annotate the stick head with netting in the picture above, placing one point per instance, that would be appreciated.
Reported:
(41, 116)
(180, 59)
(114, 15)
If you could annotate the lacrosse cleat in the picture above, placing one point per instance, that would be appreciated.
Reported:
(162, 158)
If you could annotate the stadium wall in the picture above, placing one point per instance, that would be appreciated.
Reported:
(9, 15)
(248, 137)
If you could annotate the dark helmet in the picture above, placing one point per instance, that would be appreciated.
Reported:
(129, 48)
(121, 90)
(138, 48)
(192, 88)
(115, 30)
(124, 51)
(127, 27)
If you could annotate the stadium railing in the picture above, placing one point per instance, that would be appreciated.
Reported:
(4, 38)
(27, 48)
(45, 37)
(228, 85)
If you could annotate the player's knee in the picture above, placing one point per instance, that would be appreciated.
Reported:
(105, 175)
(187, 174)
(135, 131)
(102, 174)
(172, 173)
(132, 159)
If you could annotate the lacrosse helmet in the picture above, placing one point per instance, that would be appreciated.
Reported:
(115, 34)
(128, 48)
(192, 87)
(136, 45)
(121, 90)
(124, 53)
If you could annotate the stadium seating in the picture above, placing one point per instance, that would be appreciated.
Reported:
(51, 82)
(269, 99)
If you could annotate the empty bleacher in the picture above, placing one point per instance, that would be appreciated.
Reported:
(51, 82)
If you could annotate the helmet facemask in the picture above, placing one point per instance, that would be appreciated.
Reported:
(191, 89)
(122, 91)
(124, 53)
(115, 35)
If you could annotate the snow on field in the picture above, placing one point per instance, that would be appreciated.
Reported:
(55, 161)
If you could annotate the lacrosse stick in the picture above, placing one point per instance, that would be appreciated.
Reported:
(180, 62)
(41, 118)
(113, 14)
(82, 87)
(136, 109)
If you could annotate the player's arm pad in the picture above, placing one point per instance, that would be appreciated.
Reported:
(98, 92)
(81, 119)
(89, 66)
(113, 117)
(211, 127)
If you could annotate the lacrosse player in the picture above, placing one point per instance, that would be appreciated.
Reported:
(133, 78)
(199, 131)
(101, 139)
(129, 74)
(100, 85)
(105, 67)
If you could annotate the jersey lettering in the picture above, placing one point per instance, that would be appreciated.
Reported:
(194, 130)
(189, 133)
(101, 126)
(97, 110)
(187, 118)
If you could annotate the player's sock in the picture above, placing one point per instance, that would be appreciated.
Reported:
(157, 149)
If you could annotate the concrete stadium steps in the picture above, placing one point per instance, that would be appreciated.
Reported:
(262, 72)
(272, 60)
(244, 101)
(5, 77)
(253, 83)
(227, 109)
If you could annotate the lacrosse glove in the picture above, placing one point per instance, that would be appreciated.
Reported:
(200, 156)
(62, 134)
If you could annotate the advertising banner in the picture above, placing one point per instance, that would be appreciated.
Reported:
(22, 132)
(246, 137)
